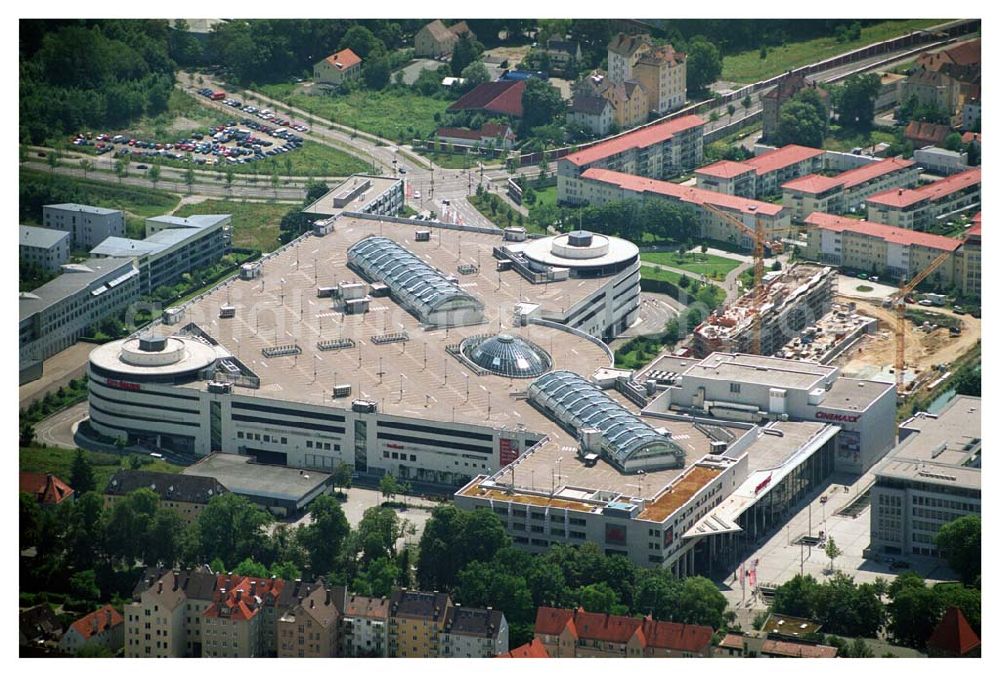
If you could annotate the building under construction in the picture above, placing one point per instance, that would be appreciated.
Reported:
(793, 299)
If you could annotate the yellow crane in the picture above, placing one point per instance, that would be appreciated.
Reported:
(759, 238)
(898, 302)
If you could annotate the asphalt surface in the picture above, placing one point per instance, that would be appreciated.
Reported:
(57, 430)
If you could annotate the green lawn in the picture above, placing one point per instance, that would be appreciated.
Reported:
(715, 267)
(843, 139)
(748, 67)
(452, 160)
(648, 272)
(255, 224)
(397, 113)
(58, 461)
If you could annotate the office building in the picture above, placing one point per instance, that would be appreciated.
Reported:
(45, 248)
(88, 226)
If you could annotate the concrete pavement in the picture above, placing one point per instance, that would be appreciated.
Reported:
(58, 429)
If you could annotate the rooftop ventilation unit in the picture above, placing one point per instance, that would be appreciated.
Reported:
(281, 350)
(335, 344)
(364, 406)
(581, 238)
(422, 236)
(340, 391)
(153, 344)
(227, 312)
(215, 387)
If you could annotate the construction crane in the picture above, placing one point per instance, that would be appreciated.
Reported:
(898, 302)
(759, 238)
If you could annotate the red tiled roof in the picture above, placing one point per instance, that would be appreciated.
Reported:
(926, 132)
(888, 233)
(953, 634)
(247, 605)
(814, 183)
(345, 57)
(552, 621)
(790, 649)
(101, 620)
(697, 196)
(732, 641)
(533, 649)
(779, 158)
(640, 138)
(963, 54)
(970, 136)
(691, 638)
(724, 169)
(48, 489)
(932, 191)
(488, 131)
(503, 98)
(604, 627)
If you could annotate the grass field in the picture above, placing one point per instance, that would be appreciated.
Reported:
(58, 461)
(844, 140)
(715, 267)
(393, 114)
(748, 67)
(451, 160)
(648, 272)
(255, 224)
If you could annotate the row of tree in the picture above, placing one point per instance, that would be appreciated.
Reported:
(632, 219)
(470, 555)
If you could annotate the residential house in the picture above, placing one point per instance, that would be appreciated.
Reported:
(577, 633)
(782, 93)
(762, 175)
(474, 632)
(185, 494)
(436, 40)
(88, 226)
(593, 112)
(756, 644)
(972, 114)
(364, 630)
(890, 86)
(38, 629)
(940, 161)
(962, 62)
(47, 489)
(847, 191)
(416, 622)
(926, 133)
(338, 68)
(878, 249)
(662, 72)
(659, 150)
(563, 54)
(600, 186)
(490, 135)
(954, 637)
(932, 88)
(623, 52)
(310, 629)
(917, 208)
(533, 649)
(495, 98)
(44, 247)
(103, 627)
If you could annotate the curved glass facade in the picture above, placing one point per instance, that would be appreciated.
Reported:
(420, 288)
(628, 442)
(507, 356)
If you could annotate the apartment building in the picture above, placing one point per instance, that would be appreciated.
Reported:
(43, 247)
(173, 246)
(661, 71)
(883, 250)
(847, 191)
(474, 632)
(578, 633)
(310, 629)
(918, 208)
(932, 88)
(364, 629)
(338, 68)
(55, 315)
(435, 39)
(659, 151)
(973, 247)
(762, 175)
(103, 627)
(417, 621)
(931, 478)
(599, 186)
(184, 494)
(88, 226)
(592, 112)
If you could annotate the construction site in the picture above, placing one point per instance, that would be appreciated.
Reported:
(788, 302)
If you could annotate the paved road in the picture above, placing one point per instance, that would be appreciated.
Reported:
(57, 430)
(655, 310)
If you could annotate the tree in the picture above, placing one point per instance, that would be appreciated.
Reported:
(251, 568)
(859, 648)
(747, 102)
(731, 109)
(164, 542)
(53, 160)
(389, 487)
(795, 597)
(378, 531)
(541, 102)
(377, 578)
(704, 64)
(475, 74)
(800, 123)
(189, 179)
(914, 610)
(81, 474)
(362, 42)
(700, 602)
(961, 543)
(230, 527)
(856, 101)
(342, 475)
(451, 539)
(86, 166)
(154, 174)
(832, 551)
(953, 141)
(972, 151)
(598, 598)
(324, 536)
(94, 650)
(275, 181)
(376, 73)
(466, 51)
(119, 169)
(128, 531)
